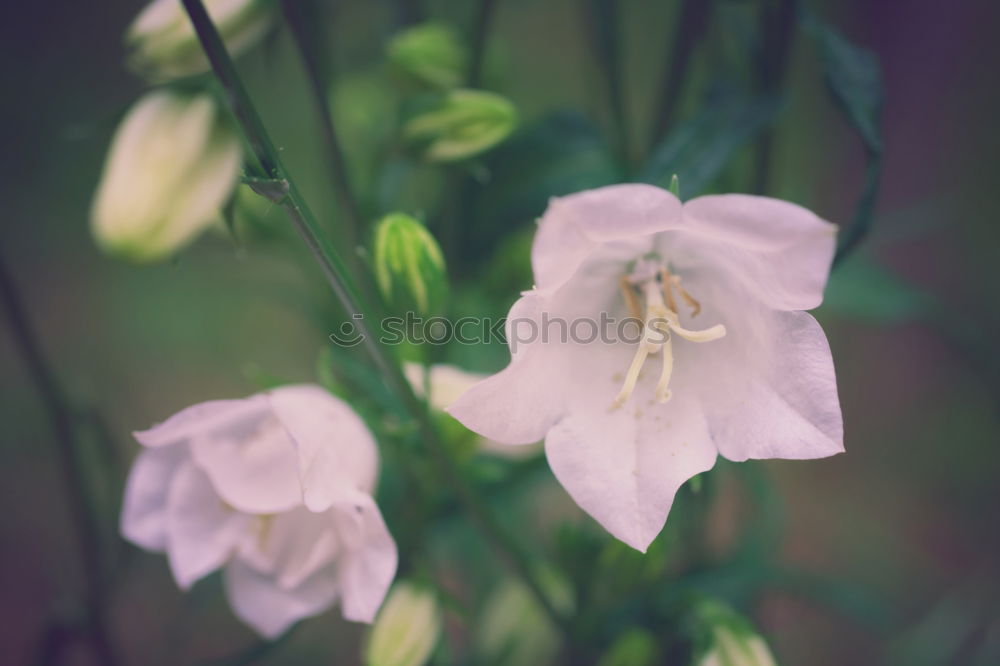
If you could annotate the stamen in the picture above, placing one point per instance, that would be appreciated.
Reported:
(662, 391)
(630, 298)
(709, 334)
(660, 321)
(667, 281)
(631, 377)
(691, 302)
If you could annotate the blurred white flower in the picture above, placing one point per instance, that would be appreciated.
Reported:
(406, 629)
(447, 383)
(277, 490)
(756, 382)
(173, 163)
(165, 46)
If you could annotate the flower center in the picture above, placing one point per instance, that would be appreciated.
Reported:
(652, 283)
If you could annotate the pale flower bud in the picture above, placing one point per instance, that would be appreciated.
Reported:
(164, 45)
(429, 54)
(406, 629)
(728, 639)
(514, 630)
(409, 266)
(461, 124)
(173, 163)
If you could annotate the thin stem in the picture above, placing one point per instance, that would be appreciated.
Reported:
(343, 287)
(689, 29)
(313, 57)
(865, 213)
(605, 25)
(68, 446)
(777, 21)
(479, 39)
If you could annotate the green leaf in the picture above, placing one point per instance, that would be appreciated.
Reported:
(854, 78)
(855, 81)
(862, 289)
(699, 149)
(563, 153)
(559, 155)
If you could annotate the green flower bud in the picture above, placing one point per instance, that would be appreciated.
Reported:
(164, 45)
(406, 630)
(635, 647)
(173, 164)
(727, 639)
(461, 124)
(409, 266)
(429, 54)
(514, 630)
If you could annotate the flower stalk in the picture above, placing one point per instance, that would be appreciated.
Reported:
(61, 417)
(341, 282)
(312, 56)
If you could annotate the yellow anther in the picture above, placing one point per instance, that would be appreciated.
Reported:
(631, 301)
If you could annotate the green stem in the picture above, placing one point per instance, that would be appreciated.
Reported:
(482, 30)
(605, 25)
(343, 287)
(88, 528)
(777, 23)
(689, 29)
(309, 46)
(865, 213)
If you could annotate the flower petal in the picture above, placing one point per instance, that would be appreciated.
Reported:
(574, 226)
(202, 531)
(623, 467)
(204, 416)
(776, 251)
(336, 452)
(259, 600)
(447, 382)
(368, 562)
(291, 546)
(773, 392)
(144, 509)
(251, 461)
(518, 404)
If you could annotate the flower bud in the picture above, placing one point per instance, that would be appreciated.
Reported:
(460, 124)
(429, 54)
(635, 647)
(727, 639)
(406, 629)
(173, 163)
(409, 266)
(164, 45)
(514, 630)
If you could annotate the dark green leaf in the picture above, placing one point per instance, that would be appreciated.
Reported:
(562, 154)
(862, 289)
(854, 78)
(698, 150)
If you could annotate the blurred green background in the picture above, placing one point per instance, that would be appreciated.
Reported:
(899, 534)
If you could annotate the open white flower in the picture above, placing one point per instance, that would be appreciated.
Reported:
(740, 371)
(173, 163)
(276, 489)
